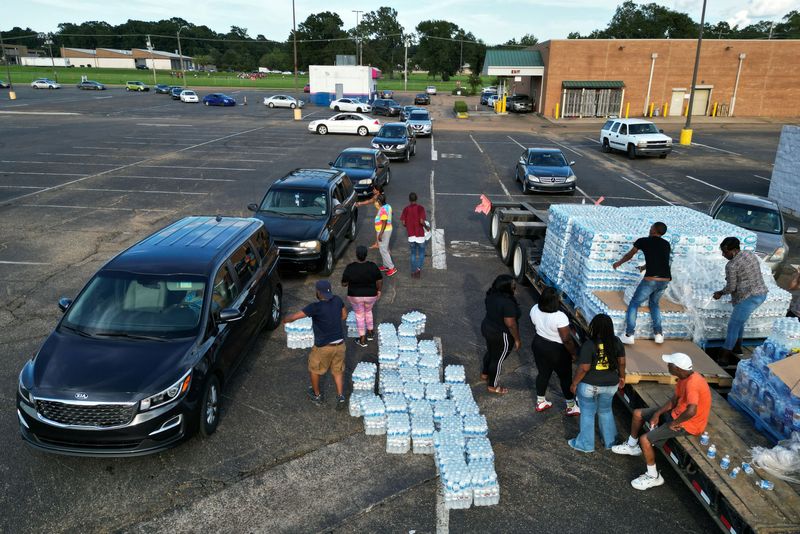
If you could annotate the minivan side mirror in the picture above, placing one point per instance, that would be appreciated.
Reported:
(229, 315)
(66, 302)
(252, 207)
(522, 161)
(791, 230)
(330, 163)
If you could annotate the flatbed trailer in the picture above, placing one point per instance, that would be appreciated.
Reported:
(736, 505)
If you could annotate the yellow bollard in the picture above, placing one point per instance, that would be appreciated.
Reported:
(557, 104)
(650, 112)
(298, 115)
(12, 95)
(686, 137)
(714, 111)
(686, 111)
(664, 114)
(627, 109)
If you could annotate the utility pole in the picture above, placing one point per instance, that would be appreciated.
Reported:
(461, 57)
(294, 39)
(405, 68)
(771, 27)
(48, 40)
(686, 133)
(12, 95)
(180, 53)
(359, 45)
(152, 61)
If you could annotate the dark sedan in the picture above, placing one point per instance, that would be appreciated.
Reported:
(89, 85)
(422, 99)
(218, 99)
(163, 89)
(366, 167)
(545, 170)
(388, 107)
(175, 92)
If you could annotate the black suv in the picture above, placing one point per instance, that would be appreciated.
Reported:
(138, 360)
(384, 106)
(396, 140)
(312, 215)
(366, 167)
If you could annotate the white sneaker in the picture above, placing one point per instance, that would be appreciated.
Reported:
(624, 448)
(659, 339)
(574, 410)
(625, 338)
(645, 481)
(544, 405)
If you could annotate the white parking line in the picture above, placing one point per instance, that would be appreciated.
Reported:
(44, 173)
(592, 140)
(438, 244)
(194, 168)
(56, 162)
(647, 191)
(581, 154)
(99, 208)
(84, 155)
(37, 113)
(22, 186)
(717, 149)
(517, 142)
(137, 191)
(706, 183)
(476, 143)
(139, 177)
(762, 177)
(22, 263)
(434, 154)
(159, 125)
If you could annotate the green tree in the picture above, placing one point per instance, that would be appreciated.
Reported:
(383, 39)
(527, 40)
(320, 38)
(438, 52)
(475, 80)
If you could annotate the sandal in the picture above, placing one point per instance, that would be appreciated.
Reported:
(484, 377)
(499, 390)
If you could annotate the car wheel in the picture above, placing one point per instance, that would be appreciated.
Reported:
(408, 155)
(276, 309)
(358, 110)
(414, 150)
(335, 108)
(507, 243)
(662, 156)
(209, 407)
(127, 89)
(322, 129)
(606, 146)
(351, 233)
(292, 106)
(330, 260)
(271, 104)
(631, 152)
(388, 178)
(206, 103)
(362, 131)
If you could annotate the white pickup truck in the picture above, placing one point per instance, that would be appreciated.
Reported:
(637, 137)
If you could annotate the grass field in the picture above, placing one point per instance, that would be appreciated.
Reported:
(25, 75)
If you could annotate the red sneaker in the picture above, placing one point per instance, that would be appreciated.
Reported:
(391, 272)
(382, 269)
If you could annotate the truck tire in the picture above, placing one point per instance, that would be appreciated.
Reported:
(495, 228)
(606, 146)
(631, 151)
(508, 242)
(519, 261)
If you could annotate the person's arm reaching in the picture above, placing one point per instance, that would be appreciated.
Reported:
(730, 282)
(294, 317)
(511, 323)
(626, 258)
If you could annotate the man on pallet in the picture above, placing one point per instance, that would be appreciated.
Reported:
(686, 413)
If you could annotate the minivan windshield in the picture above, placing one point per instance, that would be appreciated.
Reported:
(644, 128)
(138, 306)
(396, 131)
(309, 202)
(756, 219)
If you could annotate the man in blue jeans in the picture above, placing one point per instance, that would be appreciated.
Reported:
(745, 284)
(657, 276)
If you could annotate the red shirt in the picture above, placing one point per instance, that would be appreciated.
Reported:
(411, 217)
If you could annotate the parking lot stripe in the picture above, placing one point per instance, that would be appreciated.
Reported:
(581, 154)
(476, 143)
(170, 178)
(706, 183)
(438, 245)
(100, 208)
(22, 186)
(515, 141)
(592, 140)
(194, 168)
(762, 177)
(159, 125)
(647, 191)
(22, 263)
(138, 191)
(717, 149)
(85, 155)
(38, 113)
(57, 162)
(43, 173)
(434, 157)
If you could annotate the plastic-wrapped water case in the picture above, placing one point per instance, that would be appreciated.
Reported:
(435, 392)
(299, 334)
(475, 426)
(429, 376)
(356, 398)
(479, 449)
(442, 408)
(409, 374)
(416, 320)
(352, 326)
(414, 391)
(395, 403)
(454, 374)
(422, 430)
(485, 488)
(364, 376)
(374, 413)
(398, 433)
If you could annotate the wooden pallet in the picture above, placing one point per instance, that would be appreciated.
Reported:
(721, 380)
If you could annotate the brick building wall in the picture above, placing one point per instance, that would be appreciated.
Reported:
(769, 85)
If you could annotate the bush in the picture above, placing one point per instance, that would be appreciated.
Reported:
(459, 106)
(464, 91)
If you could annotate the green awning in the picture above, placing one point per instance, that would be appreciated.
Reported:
(592, 84)
(501, 57)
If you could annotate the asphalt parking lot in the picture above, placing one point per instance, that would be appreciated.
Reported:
(84, 175)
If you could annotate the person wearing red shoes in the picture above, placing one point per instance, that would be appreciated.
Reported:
(414, 219)
(553, 350)
(383, 229)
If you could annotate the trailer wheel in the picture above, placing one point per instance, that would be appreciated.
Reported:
(507, 244)
(519, 261)
(495, 228)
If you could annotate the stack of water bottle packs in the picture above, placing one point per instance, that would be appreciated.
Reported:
(583, 242)
(421, 413)
(763, 394)
(352, 325)
(299, 334)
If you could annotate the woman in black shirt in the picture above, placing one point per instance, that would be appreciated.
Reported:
(499, 327)
(600, 372)
(364, 282)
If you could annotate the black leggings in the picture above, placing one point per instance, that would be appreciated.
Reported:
(498, 345)
(551, 356)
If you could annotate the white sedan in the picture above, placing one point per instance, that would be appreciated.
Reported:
(350, 104)
(45, 83)
(283, 101)
(189, 96)
(352, 123)
(431, 90)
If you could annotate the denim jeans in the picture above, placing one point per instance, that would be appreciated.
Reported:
(595, 400)
(417, 255)
(648, 291)
(741, 312)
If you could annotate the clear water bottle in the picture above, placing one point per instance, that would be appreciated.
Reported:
(765, 485)
(735, 472)
(704, 438)
(725, 463)
(747, 468)
(712, 451)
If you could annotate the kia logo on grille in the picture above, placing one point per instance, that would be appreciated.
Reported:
(82, 396)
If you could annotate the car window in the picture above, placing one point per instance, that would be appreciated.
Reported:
(348, 187)
(224, 292)
(261, 239)
(646, 128)
(754, 218)
(607, 125)
(397, 131)
(309, 202)
(615, 128)
(419, 116)
(245, 263)
(354, 161)
(623, 129)
(338, 194)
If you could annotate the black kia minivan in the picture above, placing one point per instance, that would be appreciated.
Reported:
(138, 359)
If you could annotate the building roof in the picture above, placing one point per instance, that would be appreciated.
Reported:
(81, 50)
(118, 51)
(502, 57)
(592, 84)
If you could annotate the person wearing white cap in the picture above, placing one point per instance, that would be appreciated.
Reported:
(686, 413)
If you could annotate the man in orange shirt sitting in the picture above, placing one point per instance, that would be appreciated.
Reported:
(686, 413)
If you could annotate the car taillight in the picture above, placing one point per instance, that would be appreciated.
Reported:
(376, 122)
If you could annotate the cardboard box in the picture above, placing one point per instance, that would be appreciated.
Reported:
(788, 370)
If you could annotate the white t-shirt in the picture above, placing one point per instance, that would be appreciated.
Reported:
(547, 324)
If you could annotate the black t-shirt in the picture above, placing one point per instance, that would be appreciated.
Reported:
(603, 370)
(656, 255)
(498, 307)
(326, 320)
(361, 278)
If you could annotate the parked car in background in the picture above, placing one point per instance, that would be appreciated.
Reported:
(519, 104)
(406, 111)
(637, 137)
(175, 92)
(4, 84)
(137, 362)
(162, 88)
(141, 67)
(350, 104)
(219, 99)
(382, 106)
(396, 140)
(491, 100)
(431, 90)
(490, 88)
(386, 93)
(306, 88)
(485, 95)
(283, 101)
(366, 167)
(545, 170)
(422, 99)
(45, 83)
(187, 95)
(761, 216)
(88, 85)
(137, 86)
(421, 122)
(349, 123)
(312, 216)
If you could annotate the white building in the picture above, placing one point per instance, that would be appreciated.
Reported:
(329, 82)
(112, 58)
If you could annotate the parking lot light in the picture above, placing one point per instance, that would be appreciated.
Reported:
(180, 55)
(11, 94)
(686, 133)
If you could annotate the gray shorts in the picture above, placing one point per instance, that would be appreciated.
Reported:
(662, 432)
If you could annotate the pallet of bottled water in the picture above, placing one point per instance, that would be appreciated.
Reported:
(356, 400)
(364, 376)
(352, 325)
(390, 382)
(299, 334)
(485, 489)
(416, 320)
(398, 433)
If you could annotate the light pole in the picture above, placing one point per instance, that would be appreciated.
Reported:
(297, 112)
(686, 133)
(180, 53)
(152, 61)
(11, 94)
(49, 42)
(405, 68)
(359, 46)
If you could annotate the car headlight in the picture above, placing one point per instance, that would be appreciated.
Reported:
(365, 181)
(571, 178)
(533, 178)
(669, 142)
(778, 255)
(375, 145)
(172, 393)
(310, 245)
(26, 395)
(641, 143)
(400, 147)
